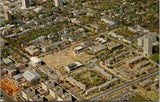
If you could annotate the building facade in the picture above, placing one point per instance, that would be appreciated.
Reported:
(26, 4)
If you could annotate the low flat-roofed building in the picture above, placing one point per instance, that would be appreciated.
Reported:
(48, 85)
(7, 61)
(113, 45)
(35, 61)
(97, 48)
(26, 93)
(17, 77)
(12, 71)
(35, 98)
(56, 91)
(103, 72)
(91, 90)
(75, 82)
(129, 63)
(45, 70)
(31, 76)
(32, 50)
(78, 49)
(65, 97)
(49, 98)
(106, 84)
(146, 82)
(73, 66)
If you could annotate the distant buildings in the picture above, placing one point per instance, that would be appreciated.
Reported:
(26, 4)
(58, 3)
(111, 23)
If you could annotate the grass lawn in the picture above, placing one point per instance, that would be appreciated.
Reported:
(138, 98)
(89, 77)
(155, 58)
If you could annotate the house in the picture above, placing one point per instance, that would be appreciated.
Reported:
(2, 42)
(73, 66)
(91, 90)
(31, 76)
(32, 50)
(35, 61)
(78, 13)
(78, 49)
(101, 40)
(96, 26)
(7, 61)
(65, 97)
(80, 30)
(113, 45)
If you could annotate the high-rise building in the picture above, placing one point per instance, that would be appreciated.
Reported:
(26, 4)
(140, 42)
(147, 49)
(58, 3)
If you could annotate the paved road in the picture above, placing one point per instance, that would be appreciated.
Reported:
(98, 97)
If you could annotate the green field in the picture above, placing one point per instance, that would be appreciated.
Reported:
(89, 77)
(138, 98)
(155, 58)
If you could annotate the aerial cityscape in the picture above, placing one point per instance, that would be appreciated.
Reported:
(79, 50)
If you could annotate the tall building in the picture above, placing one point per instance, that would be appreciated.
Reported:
(26, 4)
(147, 49)
(58, 3)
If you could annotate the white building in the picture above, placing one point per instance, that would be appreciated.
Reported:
(140, 42)
(35, 61)
(147, 49)
(56, 91)
(26, 4)
(58, 3)
(65, 97)
(31, 76)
